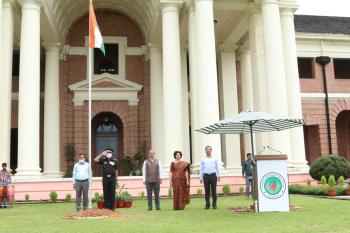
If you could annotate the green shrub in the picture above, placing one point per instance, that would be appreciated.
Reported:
(331, 181)
(226, 189)
(68, 197)
(323, 180)
(170, 192)
(313, 190)
(341, 181)
(241, 190)
(330, 165)
(53, 196)
(141, 195)
(26, 198)
(199, 192)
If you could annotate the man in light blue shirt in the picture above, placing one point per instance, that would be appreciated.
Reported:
(209, 172)
(81, 175)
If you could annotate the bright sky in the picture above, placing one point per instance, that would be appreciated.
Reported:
(324, 7)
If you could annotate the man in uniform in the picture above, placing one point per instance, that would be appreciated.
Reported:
(110, 173)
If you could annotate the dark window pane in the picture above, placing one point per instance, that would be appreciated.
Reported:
(305, 67)
(107, 63)
(341, 68)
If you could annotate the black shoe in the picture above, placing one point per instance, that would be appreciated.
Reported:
(215, 207)
(158, 209)
(149, 209)
(206, 208)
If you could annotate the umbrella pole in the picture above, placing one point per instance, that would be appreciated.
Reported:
(251, 140)
(255, 177)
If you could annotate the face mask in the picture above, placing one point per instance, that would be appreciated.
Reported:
(109, 155)
(81, 160)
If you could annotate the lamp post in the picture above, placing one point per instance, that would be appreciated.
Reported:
(323, 61)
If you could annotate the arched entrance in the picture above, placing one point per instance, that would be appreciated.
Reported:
(343, 134)
(107, 132)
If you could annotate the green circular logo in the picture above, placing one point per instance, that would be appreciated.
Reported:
(272, 185)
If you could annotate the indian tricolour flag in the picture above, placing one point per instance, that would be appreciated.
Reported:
(95, 34)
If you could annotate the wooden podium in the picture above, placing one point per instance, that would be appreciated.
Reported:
(271, 183)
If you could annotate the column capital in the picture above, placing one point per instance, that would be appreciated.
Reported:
(228, 48)
(52, 46)
(287, 11)
(266, 2)
(30, 4)
(154, 47)
(170, 5)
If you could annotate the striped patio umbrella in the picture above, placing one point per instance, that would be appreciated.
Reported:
(252, 122)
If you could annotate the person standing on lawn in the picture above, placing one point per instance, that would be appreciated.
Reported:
(81, 175)
(209, 172)
(109, 176)
(152, 178)
(247, 172)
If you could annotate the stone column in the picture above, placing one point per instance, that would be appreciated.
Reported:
(293, 88)
(6, 48)
(229, 107)
(247, 91)
(206, 71)
(185, 110)
(52, 112)
(172, 84)
(193, 95)
(275, 76)
(156, 84)
(256, 46)
(29, 90)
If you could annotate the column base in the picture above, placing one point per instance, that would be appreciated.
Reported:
(23, 172)
(195, 169)
(298, 166)
(54, 174)
(234, 170)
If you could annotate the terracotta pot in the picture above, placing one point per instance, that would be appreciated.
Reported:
(347, 192)
(100, 204)
(120, 204)
(128, 204)
(1, 193)
(331, 193)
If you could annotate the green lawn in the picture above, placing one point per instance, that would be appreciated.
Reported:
(317, 215)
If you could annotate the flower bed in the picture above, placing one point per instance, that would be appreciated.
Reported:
(92, 214)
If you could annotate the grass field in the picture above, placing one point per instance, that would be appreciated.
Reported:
(317, 215)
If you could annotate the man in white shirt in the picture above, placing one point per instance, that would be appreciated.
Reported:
(209, 172)
(81, 175)
(152, 178)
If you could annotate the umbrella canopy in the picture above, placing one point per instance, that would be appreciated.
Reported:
(252, 122)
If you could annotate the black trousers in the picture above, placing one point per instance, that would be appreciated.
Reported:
(109, 191)
(210, 181)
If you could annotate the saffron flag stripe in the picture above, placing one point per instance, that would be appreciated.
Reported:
(95, 35)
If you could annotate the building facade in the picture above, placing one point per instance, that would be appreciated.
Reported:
(171, 67)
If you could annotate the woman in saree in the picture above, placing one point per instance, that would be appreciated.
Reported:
(180, 181)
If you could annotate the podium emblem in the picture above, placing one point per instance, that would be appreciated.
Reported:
(272, 185)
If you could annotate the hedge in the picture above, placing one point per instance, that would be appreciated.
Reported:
(313, 190)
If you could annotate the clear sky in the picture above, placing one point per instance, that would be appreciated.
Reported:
(324, 7)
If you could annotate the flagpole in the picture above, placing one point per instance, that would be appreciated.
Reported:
(89, 116)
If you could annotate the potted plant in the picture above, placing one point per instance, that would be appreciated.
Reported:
(331, 183)
(100, 201)
(341, 183)
(126, 198)
(119, 196)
